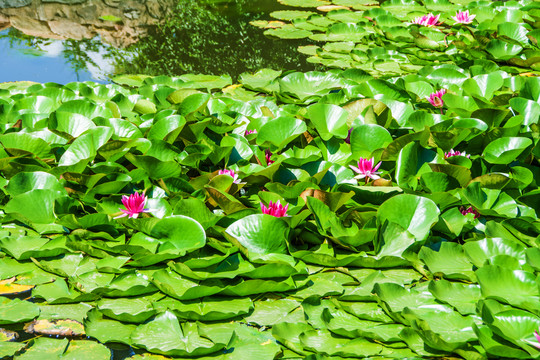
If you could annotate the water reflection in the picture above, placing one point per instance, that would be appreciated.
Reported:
(44, 60)
(94, 39)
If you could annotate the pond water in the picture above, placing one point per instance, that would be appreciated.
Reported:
(78, 40)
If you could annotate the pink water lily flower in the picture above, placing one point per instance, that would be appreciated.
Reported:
(428, 20)
(249, 132)
(275, 209)
(463, 17)
(537, 335)
(469, 210)
(435, 98)
(456, 153)
(134, 205)
(366, 169)
(267, 156)
(231, 173)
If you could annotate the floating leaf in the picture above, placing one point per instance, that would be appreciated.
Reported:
(55, 327)
(506, 149)
(167, 336)
(413, 213)
(259, 234)
(16, 311)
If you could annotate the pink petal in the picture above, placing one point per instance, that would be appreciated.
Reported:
(537, 336)
(125, 200)
(355, 169)
(363, 167)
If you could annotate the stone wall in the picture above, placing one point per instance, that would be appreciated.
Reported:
(80, 19)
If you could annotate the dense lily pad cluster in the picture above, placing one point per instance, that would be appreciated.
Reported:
(396, 37)
(428, 255)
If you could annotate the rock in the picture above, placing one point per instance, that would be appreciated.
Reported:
(4, 19)
(71, 30)
(87, 12)
(132, 14)
(155, 9)
(132, 10)
(81, 19)
(68, 2)
(121, 37)
(14, 3)
(112, 3)
(33, 27)
(54, 12)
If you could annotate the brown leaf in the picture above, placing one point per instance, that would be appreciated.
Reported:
(308, 137)
(327, 8)
(59, 327)
(6, 335)
(274, 24)
(8, 287)
(333, 200)
(382, 182)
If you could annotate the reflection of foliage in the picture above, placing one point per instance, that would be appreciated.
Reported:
(75, 52)
(24, 43)
(214, 38)
(78, 54)
(199, 36)
(16, 38)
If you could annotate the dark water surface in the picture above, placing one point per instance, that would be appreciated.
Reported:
(79, 40)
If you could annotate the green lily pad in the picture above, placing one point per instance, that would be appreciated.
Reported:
(259, 234)
(44, 347)
(206, 309)
(165, 335)
(515, 287)
(84, 349)
(413, 213)
(450, 261)
(133, 310)
(16, 311)
(105, 330)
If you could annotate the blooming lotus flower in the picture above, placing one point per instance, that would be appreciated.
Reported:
(248, 132)
(275, 209)
(366, 170)
(231, 173)
(456, 153)
(435, 98)
(267, 156)
(134, 205)
(469, 210)
(428, 20)
(463, 17)
(537, 335)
